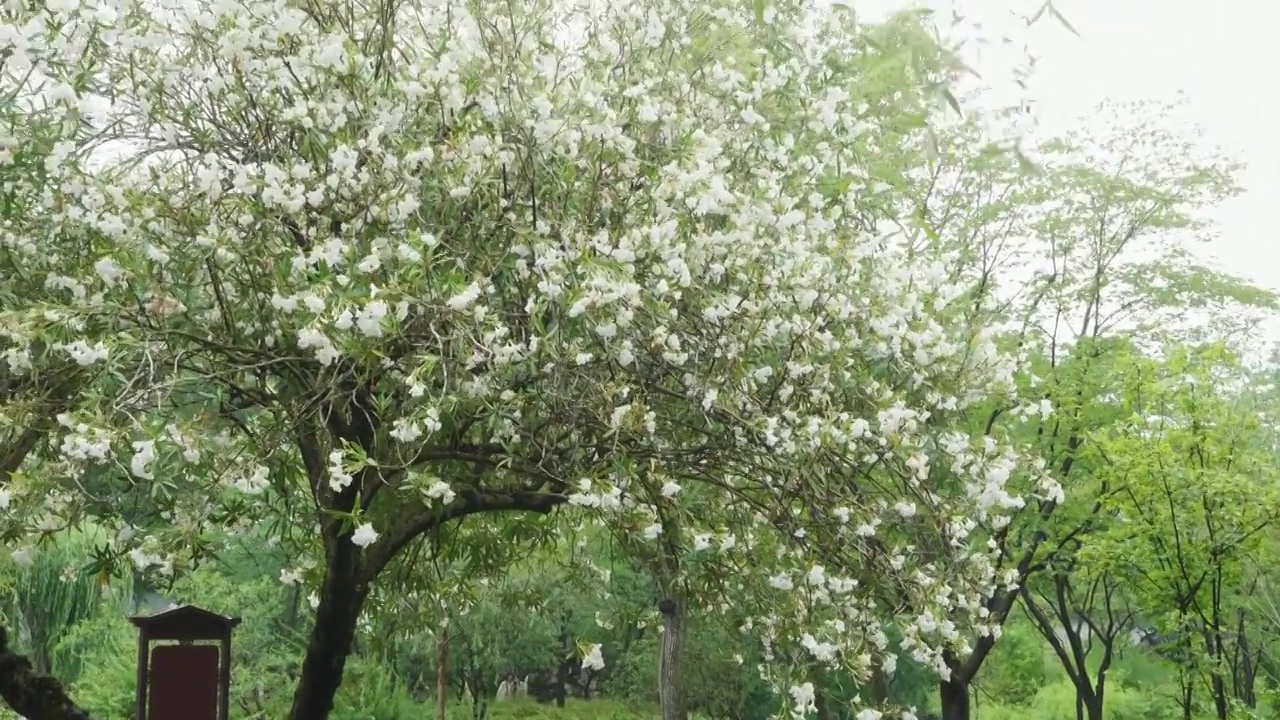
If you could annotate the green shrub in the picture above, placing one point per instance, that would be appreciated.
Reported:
(105, 648)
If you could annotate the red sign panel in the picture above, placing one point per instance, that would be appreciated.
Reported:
(184, 683)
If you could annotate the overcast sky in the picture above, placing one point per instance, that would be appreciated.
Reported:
(1219, 56)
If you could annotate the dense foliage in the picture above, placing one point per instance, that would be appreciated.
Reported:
(650, 357)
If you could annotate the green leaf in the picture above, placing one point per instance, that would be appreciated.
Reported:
(94, 568)
(951, 100)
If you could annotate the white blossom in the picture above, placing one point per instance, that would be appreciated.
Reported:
(364, 535)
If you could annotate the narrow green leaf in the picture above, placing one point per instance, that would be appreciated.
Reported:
(952, 101)
(92, 568)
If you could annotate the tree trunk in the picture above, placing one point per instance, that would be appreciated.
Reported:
(954, 694)
(670, 655)
(1089, 699)
(1243, 669)
(30, 694)
(332, 636)
(1089, 703)
(821, 707)
(442, 671)
(1217, 652)
(562, 682)
(1221, 705)
(560, 689)
(1095, 709)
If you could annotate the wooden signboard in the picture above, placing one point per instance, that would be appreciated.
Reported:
(187, 681)
(184, 682)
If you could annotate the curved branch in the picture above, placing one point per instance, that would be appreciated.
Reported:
(419, 520)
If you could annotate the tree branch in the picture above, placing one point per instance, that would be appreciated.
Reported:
(418, 520)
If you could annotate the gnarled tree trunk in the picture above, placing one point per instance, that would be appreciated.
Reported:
(341, 598)
(30, 694)
(954, 694)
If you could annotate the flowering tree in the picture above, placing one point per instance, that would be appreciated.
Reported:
(389, 266)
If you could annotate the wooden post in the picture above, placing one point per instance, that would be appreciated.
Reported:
(224, 680)
(144, 655)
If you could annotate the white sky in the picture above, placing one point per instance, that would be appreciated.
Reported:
(1219, 56)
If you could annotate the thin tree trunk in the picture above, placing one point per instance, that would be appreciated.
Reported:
(1221, 706)
(562, 682)
(670, 656)
(442, 671)
(332, 636)
(1243, 670)
(561, 688)
(1221, 703)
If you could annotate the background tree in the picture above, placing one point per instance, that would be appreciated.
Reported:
(1064, 257)
(1195, 503)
